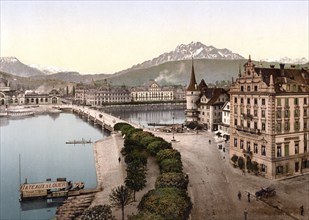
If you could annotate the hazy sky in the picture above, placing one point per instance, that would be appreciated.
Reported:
(109, 36)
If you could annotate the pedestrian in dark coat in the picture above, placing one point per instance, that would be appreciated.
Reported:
(302, 210)
(239, 195)
(246, 214)
(248, 197)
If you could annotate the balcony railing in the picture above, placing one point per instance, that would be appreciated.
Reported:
(249, 130)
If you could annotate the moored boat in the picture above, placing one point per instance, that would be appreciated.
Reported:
(48, 189)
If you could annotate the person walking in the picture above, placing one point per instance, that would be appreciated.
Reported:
(302, 210)
(248, 197)
(119, 159)
(246, 214)
(239, 195)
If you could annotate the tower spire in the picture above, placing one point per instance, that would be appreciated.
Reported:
(192, 85)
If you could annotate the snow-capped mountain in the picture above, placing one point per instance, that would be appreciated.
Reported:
(13, 66)
(197, 50)
(49, 69)
(302, 60)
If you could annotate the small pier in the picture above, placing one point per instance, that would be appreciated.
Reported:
(79, 142)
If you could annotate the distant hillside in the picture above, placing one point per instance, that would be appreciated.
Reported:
(73, 77)
(13, 66)
(39, 85)
(178, 72)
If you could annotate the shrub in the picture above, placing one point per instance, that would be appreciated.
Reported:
(103, 212)
(145, 215)
(139, 135)
(154, 147)
(118, 126)
(234, 158)
(145, 141)
(170, 203)
(168, 154)
(241, 162)
(124, 129)
(169, 180)
(136, 156)
(170, 165)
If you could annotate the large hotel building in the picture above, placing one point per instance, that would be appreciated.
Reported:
(269, 119)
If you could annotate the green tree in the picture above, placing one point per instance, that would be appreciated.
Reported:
(154, 147)
(168, 154)
(103, 212)
(120, 197)
(136, 177)
(171, 179)
(170, 203)
(170, 165)
(145, 215)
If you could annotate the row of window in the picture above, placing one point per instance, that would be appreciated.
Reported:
(286, 101)
(255, 124)
(255, 101)
(248, 147)
(286, 126)
(255, 88)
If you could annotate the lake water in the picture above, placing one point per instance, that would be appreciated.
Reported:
(41, 143)
(158, 116)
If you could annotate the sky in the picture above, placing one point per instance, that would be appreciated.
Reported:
(110, 36)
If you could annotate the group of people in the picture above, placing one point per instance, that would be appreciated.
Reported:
(246, 211)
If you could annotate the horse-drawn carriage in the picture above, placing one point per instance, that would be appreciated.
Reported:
(266, 192)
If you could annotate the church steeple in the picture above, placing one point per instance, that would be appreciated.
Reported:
(193, 85)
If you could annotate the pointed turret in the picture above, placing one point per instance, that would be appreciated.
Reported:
(192, 85)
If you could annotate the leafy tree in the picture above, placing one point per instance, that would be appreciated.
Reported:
(145, 141)
(120, 197)
(136, 177)
(136, 156)
(125, 128)
(234, 158)
(118, 126)
(241, 162)
(170, 203)
(168, 154)
(103, 212)
(137, 136)
(145, 215)
(154, 147)
(169, 180)
(170, 165)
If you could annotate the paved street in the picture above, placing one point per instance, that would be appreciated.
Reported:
(214, 184)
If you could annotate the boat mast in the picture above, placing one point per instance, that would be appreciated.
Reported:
(19, 170)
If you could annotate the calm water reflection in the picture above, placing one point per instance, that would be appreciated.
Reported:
(41, 143)
(158, 117)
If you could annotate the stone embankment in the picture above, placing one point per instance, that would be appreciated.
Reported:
(73, 207)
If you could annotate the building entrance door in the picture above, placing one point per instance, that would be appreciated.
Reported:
(296, 167)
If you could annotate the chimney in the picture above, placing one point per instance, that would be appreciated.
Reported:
(282, 69)
(272, 66)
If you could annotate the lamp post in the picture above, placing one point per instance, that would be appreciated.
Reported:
(173, 128)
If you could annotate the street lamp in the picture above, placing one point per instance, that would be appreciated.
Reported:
(173, 128)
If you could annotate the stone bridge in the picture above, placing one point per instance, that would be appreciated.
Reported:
(106, 121)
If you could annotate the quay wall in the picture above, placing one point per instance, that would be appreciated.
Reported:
(145, 107)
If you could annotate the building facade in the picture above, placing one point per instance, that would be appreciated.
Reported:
(224, 126)
(269, 114)
(98, 96)
(152, 91)
(204, 104)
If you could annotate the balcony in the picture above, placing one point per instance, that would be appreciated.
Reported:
(248, 130)
(247, 116)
